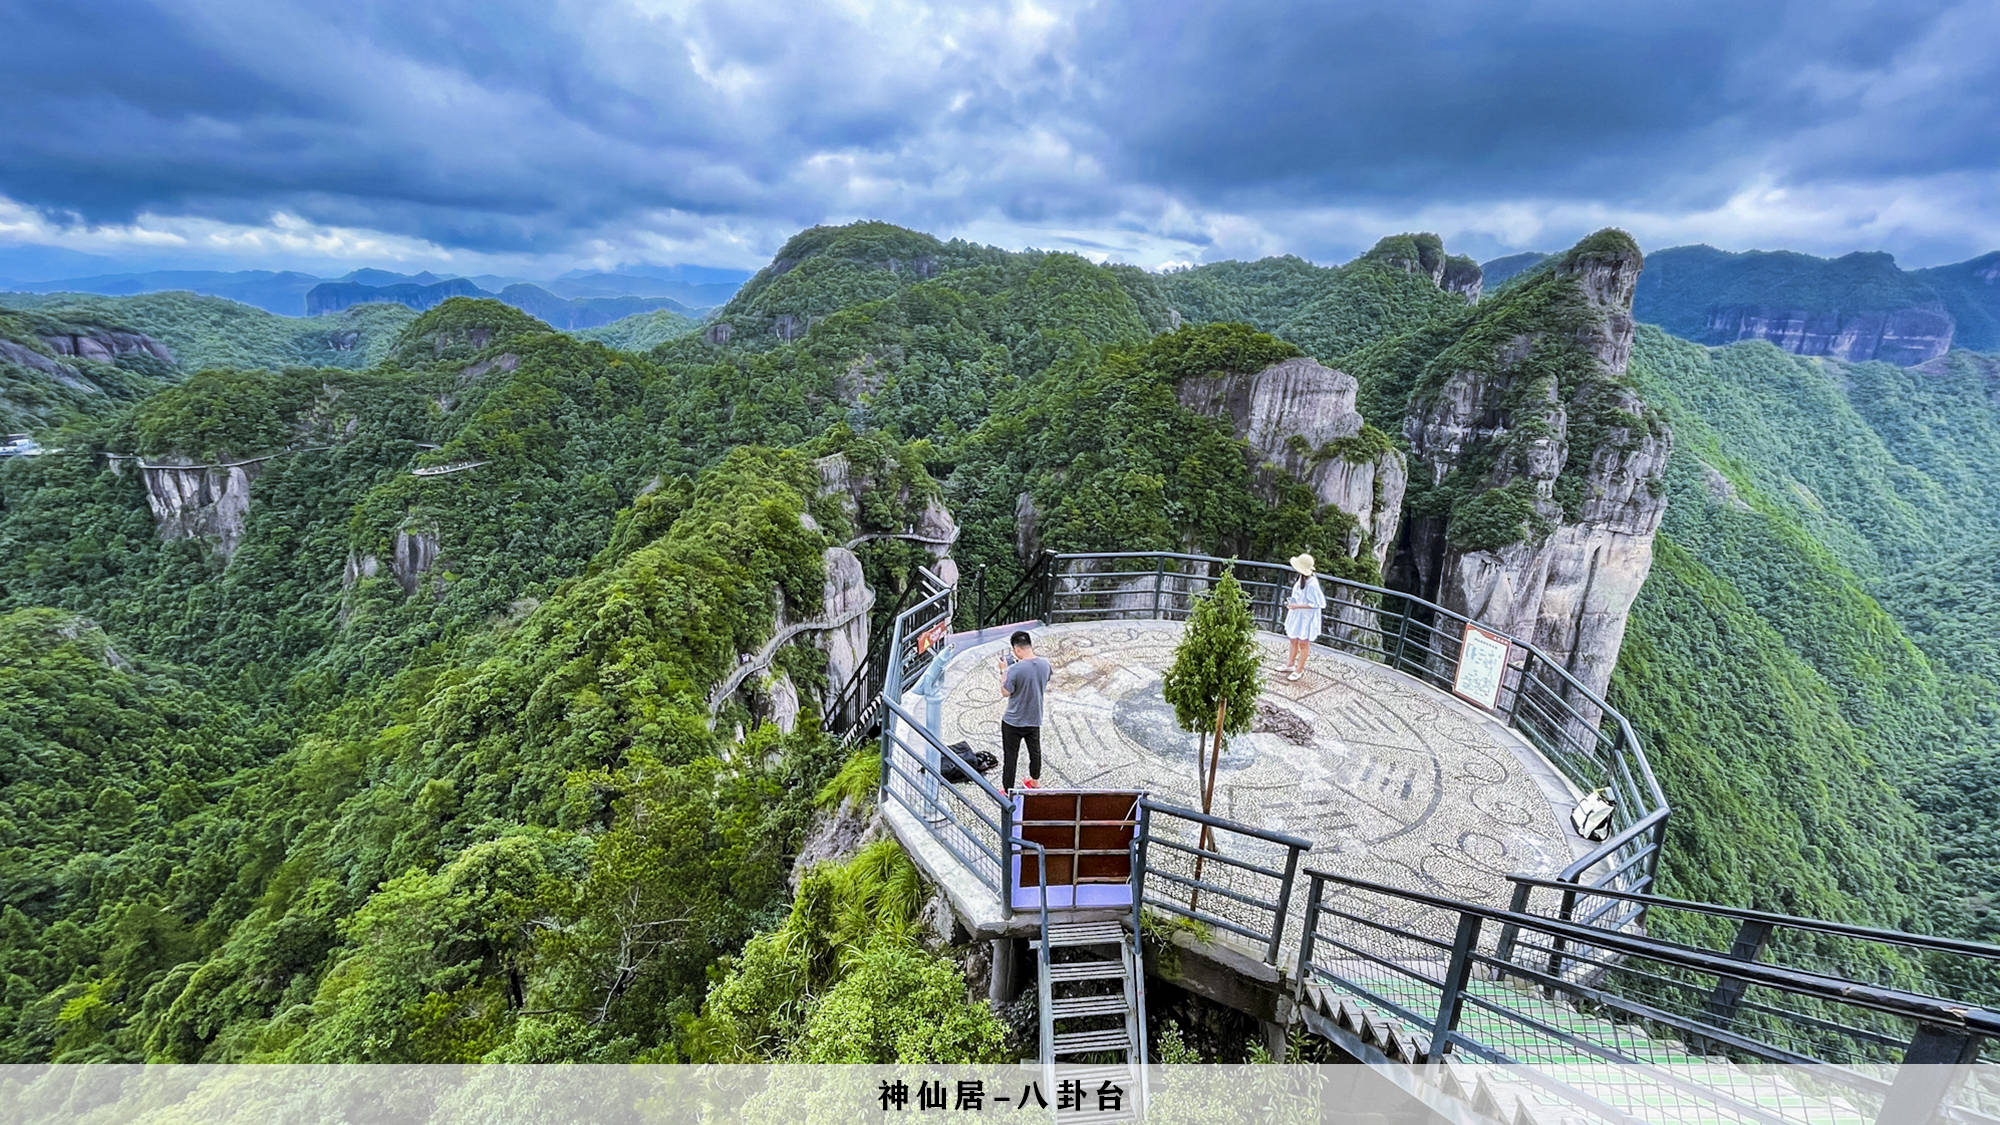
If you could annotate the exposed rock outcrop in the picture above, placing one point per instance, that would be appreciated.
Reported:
(1424, 254)
(846, 592)
(1027, 527)
(1549, 471)
(1905, 337)
(1300, 417)
(201, 502)
(107, 344)
(97, 345)
(415, 555)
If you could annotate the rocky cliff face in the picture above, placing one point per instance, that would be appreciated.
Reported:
(1299, 416)
(1424, 254)
(101, 345)
(1542, 466)
(107, 344)
(839, 624)
(201, 502)
(1903, 336)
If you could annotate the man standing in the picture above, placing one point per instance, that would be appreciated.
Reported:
(1023, 678)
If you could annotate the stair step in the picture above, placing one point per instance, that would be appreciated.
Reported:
(1085, 970)
(1118, 1074)
(1086, 1042)
(1077, 1007)
(1095, 1115)
(1087, 933)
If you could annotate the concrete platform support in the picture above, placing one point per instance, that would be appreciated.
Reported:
(1006, 983)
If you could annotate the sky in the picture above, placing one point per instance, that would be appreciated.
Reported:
(530, 137)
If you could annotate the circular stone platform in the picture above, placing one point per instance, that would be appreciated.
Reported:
(1390, 779)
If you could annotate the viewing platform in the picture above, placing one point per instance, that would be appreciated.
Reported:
(1388, 865)
(1390, 779)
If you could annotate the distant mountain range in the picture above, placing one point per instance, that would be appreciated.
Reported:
(577, 299)
(1857, 307)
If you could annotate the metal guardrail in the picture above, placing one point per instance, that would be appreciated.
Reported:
(1436, 966)
(1917, 963)
(1583, 737)
(1181, 857)
(971, 819)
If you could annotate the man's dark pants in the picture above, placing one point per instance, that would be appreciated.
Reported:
(1011, 738)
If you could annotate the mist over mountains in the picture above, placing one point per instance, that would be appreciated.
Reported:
(571, 300)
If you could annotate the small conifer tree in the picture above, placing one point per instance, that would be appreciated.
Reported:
(1215, 679)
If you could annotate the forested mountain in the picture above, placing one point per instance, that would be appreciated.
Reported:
(290, 293)
(641, 332)
(1857, 307)
(203, 332)
(430, 735)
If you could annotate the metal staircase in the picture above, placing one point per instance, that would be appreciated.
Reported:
(1093, 1015)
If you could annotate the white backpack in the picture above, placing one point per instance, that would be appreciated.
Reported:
(1592, 816)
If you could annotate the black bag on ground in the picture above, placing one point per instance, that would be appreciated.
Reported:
(981, 760)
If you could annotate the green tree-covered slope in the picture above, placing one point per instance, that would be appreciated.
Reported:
(424, 770)
(204, 332)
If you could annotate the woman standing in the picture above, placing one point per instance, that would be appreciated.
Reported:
(1302, 615)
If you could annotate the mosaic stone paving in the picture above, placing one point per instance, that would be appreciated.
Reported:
(1391, 780)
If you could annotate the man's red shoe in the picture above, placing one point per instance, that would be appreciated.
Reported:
(1030, 783)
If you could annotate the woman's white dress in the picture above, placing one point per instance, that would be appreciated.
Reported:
(1303, 624)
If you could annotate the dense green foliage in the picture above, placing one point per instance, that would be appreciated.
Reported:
(42, 387)
(641, 332)
(1326, 312)
(428, 768)
(1770, 660)
(845, 979)
(1110, 459)
(1971, 294)
(1685, 283)
(205, 332)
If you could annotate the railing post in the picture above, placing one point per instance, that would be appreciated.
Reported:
(1139, 864)
(1510, 932)
(1159, 581)
(1567, 913)
(1728, 995)
(1653, 860)
(1456, 977)
(979, 599)
(1520, 689)
(1934, 1064)
(887, 749)
(1007, 856)
(1284, 905)
(1315, 888)
(1402, 638)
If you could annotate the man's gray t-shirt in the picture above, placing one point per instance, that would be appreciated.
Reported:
(1025, 681)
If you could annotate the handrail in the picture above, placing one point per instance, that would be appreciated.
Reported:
(1031, 579)
(1789, 921)
(971, 771)
(1235, 826)
(1819, 986)
(1279, 906)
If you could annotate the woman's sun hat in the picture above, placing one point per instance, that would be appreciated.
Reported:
(1303, 564)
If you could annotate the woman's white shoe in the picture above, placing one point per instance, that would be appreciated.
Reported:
(1293, 676)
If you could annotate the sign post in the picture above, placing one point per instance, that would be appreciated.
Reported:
(1482, 665)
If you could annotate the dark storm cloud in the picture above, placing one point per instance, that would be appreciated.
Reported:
(1250, 101)
(534, 127)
